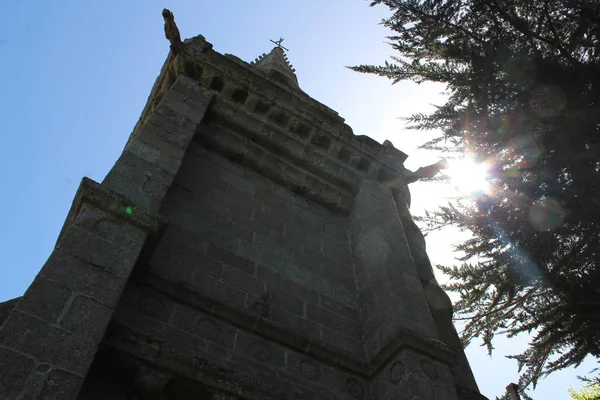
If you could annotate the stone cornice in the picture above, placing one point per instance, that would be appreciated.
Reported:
(240, 75)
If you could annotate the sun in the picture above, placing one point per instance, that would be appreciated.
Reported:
(467, 176)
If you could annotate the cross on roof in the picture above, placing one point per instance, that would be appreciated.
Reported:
(278, 43)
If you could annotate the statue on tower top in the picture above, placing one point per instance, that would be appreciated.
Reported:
(172, 32)
(428, 171)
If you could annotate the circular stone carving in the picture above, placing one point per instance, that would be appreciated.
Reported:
(354, 388)
(260, 351)
(397, 372)
(309, 370)
(429, 369)
(415, 386)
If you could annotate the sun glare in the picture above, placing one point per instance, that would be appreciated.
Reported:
(467, 176)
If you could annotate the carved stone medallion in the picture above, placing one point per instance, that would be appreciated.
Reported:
(309, 370)
(397, 372)
(354, 388)
(429, 369)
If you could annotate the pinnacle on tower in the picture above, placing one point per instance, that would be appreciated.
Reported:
(277, 66)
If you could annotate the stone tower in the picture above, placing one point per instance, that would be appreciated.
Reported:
(246, 245)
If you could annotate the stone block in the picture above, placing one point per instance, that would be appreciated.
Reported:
(238, 182)
(245, 222)
(314, 256)
(306, 368)
(171, 270)
(411, 375)
(228, 258)
(155, 150)
(45, 299)
(242, 280)
(6, 308)
(340, 272)
(194, 93)
(219, 292)
(110, 227)
(188, 220)
(174, 129)
(338, 308)
(260, 182)
(236, 200)
(337, 250)
(336, 231)
(176, 235)
(286, 300)
(105, 203)
(200, 262)
(173, 105)
(310, 264)
(35, 384)
(47, 344)
(418, 309)
(180, 195)
(269, 221)
(311, 243)
(197, 179)
(260, 350)
(372, 346)
(343, 342)
(203, 326)
(373, 323)
(61, 385)
(306, 216)
(154, 330)
(220, 162)
(277, 209)
(242, 232)
(15, 373)
(139, 180)
(87, 317)
(88, 247)
(279, 201)
(362, 278)
(272, 278)
(295, 323)
(333, 321)
(149, 301)
(326, 214)
(227, 241)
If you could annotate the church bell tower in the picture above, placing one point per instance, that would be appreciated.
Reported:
(246, 245)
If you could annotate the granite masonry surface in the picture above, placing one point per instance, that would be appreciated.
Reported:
(246, 245)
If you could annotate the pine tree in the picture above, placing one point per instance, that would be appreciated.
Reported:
(591, 391)
(523, 78)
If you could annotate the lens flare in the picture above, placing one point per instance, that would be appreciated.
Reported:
(546, 215)
(468, 176)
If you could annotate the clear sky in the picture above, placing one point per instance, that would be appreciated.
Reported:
(75, 76)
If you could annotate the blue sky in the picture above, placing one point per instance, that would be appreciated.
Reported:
(76, 75)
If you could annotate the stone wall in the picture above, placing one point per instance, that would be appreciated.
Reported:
(243, 240)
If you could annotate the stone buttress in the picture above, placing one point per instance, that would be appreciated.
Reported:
(246, 245)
